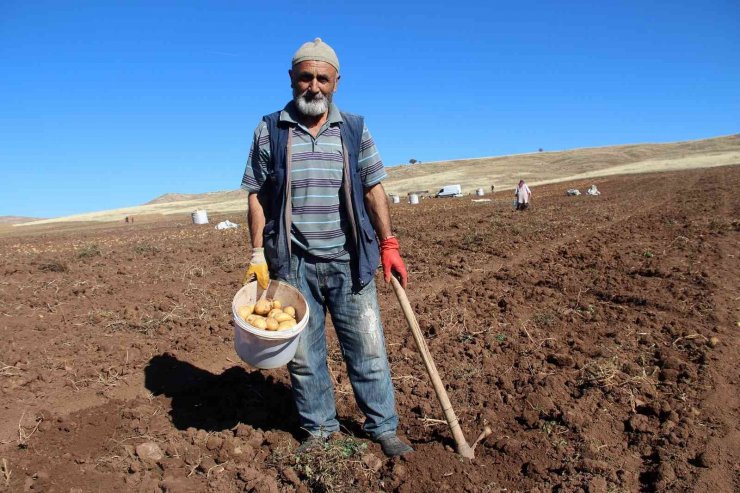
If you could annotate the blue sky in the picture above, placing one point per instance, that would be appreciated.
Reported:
(108, 104)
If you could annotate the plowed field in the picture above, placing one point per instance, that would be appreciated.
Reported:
(596, 336)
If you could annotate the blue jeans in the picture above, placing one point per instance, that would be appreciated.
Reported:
(356, 319)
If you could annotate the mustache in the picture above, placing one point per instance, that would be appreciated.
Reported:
(311, 97)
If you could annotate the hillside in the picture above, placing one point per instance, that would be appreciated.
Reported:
(503, 172)
(17, 219)
(179, 197)
(551, 167)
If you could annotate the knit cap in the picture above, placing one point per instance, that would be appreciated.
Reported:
(316, 50)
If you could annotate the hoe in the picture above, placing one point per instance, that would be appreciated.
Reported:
(462, 445)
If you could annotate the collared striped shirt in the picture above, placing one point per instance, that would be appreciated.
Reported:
(320, 226)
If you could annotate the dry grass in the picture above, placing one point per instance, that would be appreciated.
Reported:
(6, 472)
(109, 377)
(88, 251)
(25, 433)
(607, 374)
(554, 167)
(332, 466)
(8, 371)
(53, 266)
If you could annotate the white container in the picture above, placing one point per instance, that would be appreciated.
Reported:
(413, 199)
(265, 348)
(479, 192)
(395, 199)
(200, 217)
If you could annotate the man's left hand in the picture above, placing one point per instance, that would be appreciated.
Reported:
(390, 257)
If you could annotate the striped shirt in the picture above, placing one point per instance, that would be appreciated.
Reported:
(320, 226)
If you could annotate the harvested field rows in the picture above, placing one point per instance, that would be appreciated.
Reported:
(596, 336)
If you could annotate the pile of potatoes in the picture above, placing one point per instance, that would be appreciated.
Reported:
(267, 314)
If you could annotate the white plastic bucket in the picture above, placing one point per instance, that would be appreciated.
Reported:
(395, 199)
(264, 348)
(413, 199)
(200, 217)
(479, 192)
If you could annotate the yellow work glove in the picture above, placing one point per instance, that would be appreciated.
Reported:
(258, 268)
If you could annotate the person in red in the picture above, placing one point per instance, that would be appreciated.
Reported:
(319, 220)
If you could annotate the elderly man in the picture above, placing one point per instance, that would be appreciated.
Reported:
(318, 219)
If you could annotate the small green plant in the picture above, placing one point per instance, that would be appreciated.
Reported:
(349, 447)
(500, 337)
(332, 466)
(544, 319)
(88, 251)
(586, 309)
(647, 254)
(466, 337)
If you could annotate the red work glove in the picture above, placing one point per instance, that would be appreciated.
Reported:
(390, 257)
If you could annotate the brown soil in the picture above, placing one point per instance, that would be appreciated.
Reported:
(596, 336)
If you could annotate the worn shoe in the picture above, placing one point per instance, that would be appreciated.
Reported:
(393, 446)
(311, 443)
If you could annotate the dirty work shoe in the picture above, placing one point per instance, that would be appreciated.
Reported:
(393, 446)
(311, 443)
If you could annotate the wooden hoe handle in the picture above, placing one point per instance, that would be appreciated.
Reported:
(462, 445)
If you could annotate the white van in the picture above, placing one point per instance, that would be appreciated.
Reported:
(450, 191)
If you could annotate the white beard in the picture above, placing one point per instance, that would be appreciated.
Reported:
(316, 107)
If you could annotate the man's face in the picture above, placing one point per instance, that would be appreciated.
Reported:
(314, 83)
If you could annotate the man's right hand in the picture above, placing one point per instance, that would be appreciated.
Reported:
(258, 268)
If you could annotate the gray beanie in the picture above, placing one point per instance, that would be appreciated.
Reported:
(316, 50)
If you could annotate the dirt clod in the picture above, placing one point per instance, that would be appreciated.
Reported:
(372, 462)
(149, 452)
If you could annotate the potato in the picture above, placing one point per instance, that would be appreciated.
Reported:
(288, 324)
(262, 307)
(244, 311)
(274, 312)
(276, 304)
(259, 322)
(271, 324)
(290, 311)
(283, 317)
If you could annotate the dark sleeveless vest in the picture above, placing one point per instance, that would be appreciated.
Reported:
(365, 255)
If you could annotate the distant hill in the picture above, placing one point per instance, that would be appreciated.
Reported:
(503, 172)
(179, 197)
(17, 219)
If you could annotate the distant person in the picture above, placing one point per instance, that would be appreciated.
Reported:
(319, 220)
(523, 194)
(493, 189)
(126, 219)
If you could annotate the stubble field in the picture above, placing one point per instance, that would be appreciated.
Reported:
(596, 336)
